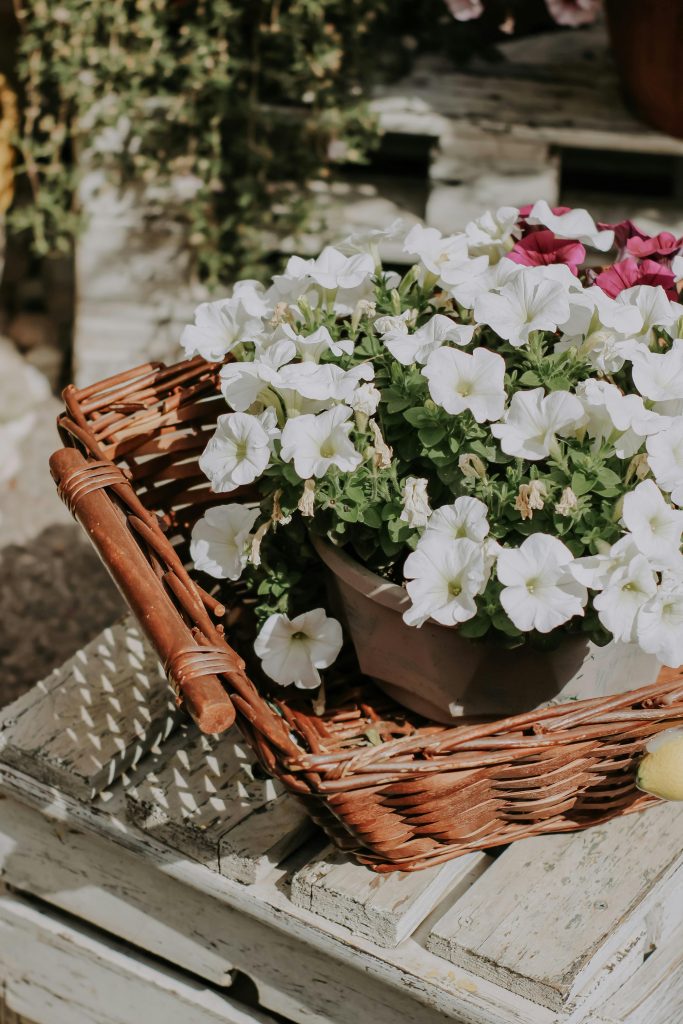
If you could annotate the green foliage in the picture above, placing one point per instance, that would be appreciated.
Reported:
(243, 96)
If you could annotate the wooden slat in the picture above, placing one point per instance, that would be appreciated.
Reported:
(559, 89)
(59, 972)
(202, 795)
(653, 995)
(383, 908)
(551, 911)
(92, 718)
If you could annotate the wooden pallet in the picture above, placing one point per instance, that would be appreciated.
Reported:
(193, 879)
(487, 136)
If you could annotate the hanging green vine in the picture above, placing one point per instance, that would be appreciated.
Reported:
(238, 99)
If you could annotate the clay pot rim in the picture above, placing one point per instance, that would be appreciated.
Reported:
(371, 584)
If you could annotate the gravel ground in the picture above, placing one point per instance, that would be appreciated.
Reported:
(55, 595)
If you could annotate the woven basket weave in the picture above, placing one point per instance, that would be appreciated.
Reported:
(397, 792)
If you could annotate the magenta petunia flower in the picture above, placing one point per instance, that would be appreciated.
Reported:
(624, 230)
(541, 248)
(630, 272)
(663, 244)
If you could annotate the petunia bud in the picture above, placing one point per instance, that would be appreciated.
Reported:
(306, 503)
(638, 467)
(470, 465)
(567, 503)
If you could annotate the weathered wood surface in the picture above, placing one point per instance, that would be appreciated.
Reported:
(564, 904)
(92, 718)
(382, 908)
(304, 967)
(206, 796)
(652, 995)
(560, 89)
(57, 971)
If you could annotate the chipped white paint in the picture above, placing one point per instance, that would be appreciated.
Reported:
(56, 971)
(564, 904)
(93, 717)
(556, 946)
(383, 908)
(202, 795)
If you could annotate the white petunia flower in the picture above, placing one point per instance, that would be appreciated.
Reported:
(444, 577)
(365, 399)
(446, 258)
(486, 280)
(460, 381)
(402, 322)
(220, 326)
(368, 240)
(466, 517)
(416, 510)
(601, 328)
(654, 306)
(415, 348)
(613, 416)
(538, 591)
(312, 346)
(533, 419)
(323, 381)
(659, 626)
(493, 234)
(243, 383)
(624, 593)
(332, 269)
(238, 452)
(656, 528)
(314, 443)
(292, 650)
(659, 375)
(594, 571)
(576, 224)
(221, 540)
(665, 456)
(594, 310)
(525, 304)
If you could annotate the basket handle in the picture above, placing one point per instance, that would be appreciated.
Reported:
(82, 486)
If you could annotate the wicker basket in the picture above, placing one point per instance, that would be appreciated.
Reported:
(397, 792)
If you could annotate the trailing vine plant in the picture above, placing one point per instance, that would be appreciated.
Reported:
(237, 100)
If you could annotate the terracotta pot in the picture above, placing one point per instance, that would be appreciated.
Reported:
(647, 40)
(442, 675)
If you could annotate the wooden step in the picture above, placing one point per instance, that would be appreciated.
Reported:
(382, 908)
(207, 797)
(553, 910)
(93, 717)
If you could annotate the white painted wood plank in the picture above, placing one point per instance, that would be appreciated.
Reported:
(653, 995)
(203, 796)
(347, 977)
(93, 717)
(382, 908)
(110, 888)
(550, 912)
(60, 972)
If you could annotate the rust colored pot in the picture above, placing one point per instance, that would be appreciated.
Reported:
(647, 40)
(442, 675)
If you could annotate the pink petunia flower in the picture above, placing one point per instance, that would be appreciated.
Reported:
(630, 272)
(541, 248)
(624, 230)
(663, 244)
(574, 12)
(465, 10)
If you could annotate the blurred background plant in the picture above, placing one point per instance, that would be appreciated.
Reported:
(238, 102)
(232, 105)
